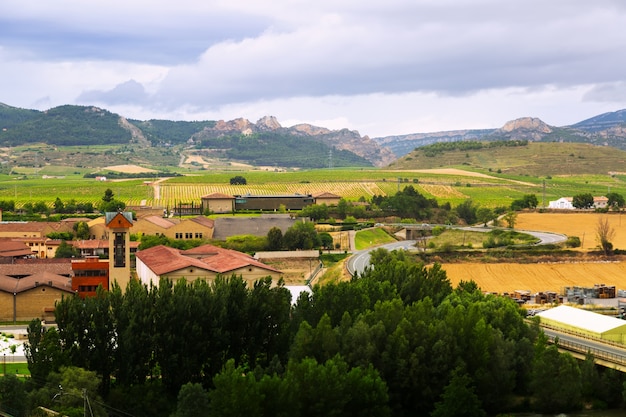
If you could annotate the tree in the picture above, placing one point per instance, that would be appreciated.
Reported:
(58, 205)
(274, 239)
(343, 208)
(193, 401)
(82, 230)
(467, 211)
(13, 396)
(43, 351)
(238, 180)
(556, 382)
(108, 195)
(459, 398)
(327, 240)
(604, 235)
(615, 201)
(302, 235)
(485, 215)
(510, 218)
(583, 201)
(316, 212)
(65, 250)
(528, 201)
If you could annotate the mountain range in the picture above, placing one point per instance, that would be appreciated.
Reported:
(608, 129)
(266, 142)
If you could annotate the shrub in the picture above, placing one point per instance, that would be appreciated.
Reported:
(572, 242)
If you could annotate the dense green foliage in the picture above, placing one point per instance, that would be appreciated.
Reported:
(167, 132)
(65, 125)
(466, 145)
(275, 149)
(397, 340)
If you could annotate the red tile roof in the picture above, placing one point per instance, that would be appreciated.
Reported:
(204, 221)
(159, 221)
(163, 260)
(11, 248)
(43, 278)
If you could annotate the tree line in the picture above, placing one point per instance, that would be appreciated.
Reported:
(397, 340)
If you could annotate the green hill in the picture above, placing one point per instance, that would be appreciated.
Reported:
(62, 126)
(122, 141)
(517, 158)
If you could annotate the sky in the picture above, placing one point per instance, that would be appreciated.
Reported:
(382, 68)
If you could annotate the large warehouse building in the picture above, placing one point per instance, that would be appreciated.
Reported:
(586, 322)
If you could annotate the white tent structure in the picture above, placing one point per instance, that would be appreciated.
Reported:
(585, 322)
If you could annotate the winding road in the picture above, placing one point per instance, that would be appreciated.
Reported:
(361, 259)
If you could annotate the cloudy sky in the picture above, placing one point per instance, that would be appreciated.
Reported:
(380, 67)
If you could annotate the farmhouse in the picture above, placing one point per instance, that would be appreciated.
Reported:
(565, 203)
(204, 262)
(327, 198)
(585, 322)
(218, 203)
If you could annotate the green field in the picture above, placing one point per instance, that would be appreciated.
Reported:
(498, 190)
(491, 177)
(371, 237)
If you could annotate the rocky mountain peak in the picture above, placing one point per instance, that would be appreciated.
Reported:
(239, 125)
(268, 123)
(526, 123)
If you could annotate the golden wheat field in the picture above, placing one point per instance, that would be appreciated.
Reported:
(508, 277)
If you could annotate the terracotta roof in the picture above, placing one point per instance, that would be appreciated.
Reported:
(325, 194)
(33, 227)
(162, 259)
(12, 248)
(159, 221)
(90, 244)
(43, 278)
(217, 196)
(204, 221)
(30, 268)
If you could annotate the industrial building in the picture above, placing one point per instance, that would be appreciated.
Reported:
(584, 322)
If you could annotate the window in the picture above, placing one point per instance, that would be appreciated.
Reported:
(119, 249)
(198, 235)
(179, 235)
(188, 235)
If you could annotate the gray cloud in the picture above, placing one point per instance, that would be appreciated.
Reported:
(129, 92)
(215, 58)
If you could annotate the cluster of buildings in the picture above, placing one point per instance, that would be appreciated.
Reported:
(32, 280)
(565, 203)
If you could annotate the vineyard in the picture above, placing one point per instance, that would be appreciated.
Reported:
(172, 193)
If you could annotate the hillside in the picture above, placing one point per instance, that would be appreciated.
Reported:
(608, 129)
(263, 143)
(517, 158)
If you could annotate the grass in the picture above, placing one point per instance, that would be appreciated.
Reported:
(372, 237)
(455, 238)
(492, 189)
(14, 368)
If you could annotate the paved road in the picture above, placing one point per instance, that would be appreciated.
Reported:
(610, 352)
(361, 259)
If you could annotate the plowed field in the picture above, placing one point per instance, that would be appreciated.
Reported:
(507, 277)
